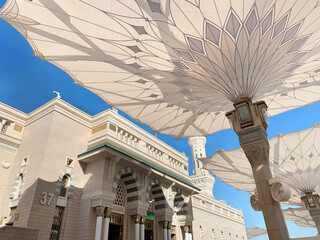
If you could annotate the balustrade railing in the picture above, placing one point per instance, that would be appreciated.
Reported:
(131, 139)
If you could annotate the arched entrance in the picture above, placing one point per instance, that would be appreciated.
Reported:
(159, 213)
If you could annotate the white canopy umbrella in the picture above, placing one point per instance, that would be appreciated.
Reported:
(254, 232)
(300, 216)
(294, 160)
(178, 65)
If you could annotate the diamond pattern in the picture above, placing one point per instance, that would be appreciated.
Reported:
(267, 22)
(195, 44)
(252, 22)
(155, 7)
(233, 25)
(279, 27)
(140, 29)
(290, 33)
(212, 33)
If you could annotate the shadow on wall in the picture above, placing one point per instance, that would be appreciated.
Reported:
(40, 212)
(18, 233)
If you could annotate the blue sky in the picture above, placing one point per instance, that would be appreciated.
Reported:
(27, 82)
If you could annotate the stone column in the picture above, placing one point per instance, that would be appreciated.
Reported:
(257, 152)
(190, 233)
(142, 227)
(186, 232)
(169, 230)
(100, 213)
(107, 214)
(165, 230)
(137, 227)
(249, 123)
(316, 219)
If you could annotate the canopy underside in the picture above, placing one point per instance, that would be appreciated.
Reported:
(178, 65)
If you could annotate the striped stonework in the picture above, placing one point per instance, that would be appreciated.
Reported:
(130, 182)
(180, 205)
(153, 182)
(18, 184)
(154, 191)
(59, 183)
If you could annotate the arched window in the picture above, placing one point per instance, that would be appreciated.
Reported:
(119, 196)
(65, 183)
(201, 234)
(230, 237)
(19, 188)
(213, 234)
(222, 236)
(237, 237)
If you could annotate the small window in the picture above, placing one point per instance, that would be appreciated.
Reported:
(201, 234)
(20, 186)
(24, 161)
(69, 162)
(65, 183)
(213, 234)
(222, 236)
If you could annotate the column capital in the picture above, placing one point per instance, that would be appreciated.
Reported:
(100, 211)
(143, 219)
(164, 224)
(137, 218)
(186, 228)
(169, 225)
(107, 212)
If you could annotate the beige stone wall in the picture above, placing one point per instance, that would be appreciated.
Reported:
(17, 233)
(47, 142)
(7, 154)
(210, 221)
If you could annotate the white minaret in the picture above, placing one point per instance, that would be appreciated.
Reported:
(201, 178)
(198, 150)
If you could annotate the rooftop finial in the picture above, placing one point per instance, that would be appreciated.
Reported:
(58, 94)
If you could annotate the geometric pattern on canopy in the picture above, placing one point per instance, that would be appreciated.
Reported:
(178, 65)
(254, 232)
(294, 159)
(300, 216)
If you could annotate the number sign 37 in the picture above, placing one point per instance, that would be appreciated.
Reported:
(46, 198)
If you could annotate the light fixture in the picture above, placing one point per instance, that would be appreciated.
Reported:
(310, 200)
(244, 113)
(263, 113)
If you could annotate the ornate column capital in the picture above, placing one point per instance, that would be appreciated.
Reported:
(100, 211)
(164, 224)
(186, 228)
(107, 212)
(169, 225)
(102, 201)
(137, 218)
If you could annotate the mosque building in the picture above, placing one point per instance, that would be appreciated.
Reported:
(67, 175)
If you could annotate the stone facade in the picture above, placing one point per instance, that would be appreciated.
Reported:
(74, 176)
(213, 219)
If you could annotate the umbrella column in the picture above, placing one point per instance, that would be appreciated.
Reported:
(311, 202)
(249, 123)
